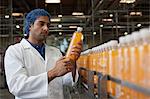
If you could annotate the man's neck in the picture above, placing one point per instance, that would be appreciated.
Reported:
(35, 42)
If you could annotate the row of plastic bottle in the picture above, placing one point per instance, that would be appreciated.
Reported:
(127, 60)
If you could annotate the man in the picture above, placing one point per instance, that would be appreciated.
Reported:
(33, 69)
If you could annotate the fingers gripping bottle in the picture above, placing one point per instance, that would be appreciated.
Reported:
(76, 38)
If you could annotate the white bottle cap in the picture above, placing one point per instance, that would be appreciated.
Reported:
(145, 33)
(136, 36)
(113, 43)
(128, 39)
(79, 29)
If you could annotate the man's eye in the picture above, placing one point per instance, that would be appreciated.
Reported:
(42, 24)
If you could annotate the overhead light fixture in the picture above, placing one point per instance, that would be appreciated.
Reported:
(116, 26)
(111, 15)
(71, 27)
(55, 20)
(136, 13)
(17, 14)
(101, 25)
(60, 33)
(60, 16)
(60, 26)
(52, 1)
(17, 26)
(109, 20)
(78, 13)
(125, 33)
(139, 25)
(6, 16)
(127, 1)
(94, 33)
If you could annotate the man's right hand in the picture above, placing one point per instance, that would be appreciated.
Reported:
(62, 66)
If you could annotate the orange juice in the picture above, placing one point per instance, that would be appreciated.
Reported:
(76, 38)
(134, 62)
(112, 67)
(120, 68)
(144, 50)
(127, 66)
(104, 59)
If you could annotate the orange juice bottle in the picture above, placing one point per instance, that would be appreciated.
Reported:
(127, 69)
(76, 38)
(134, 52)
(144, 50)
(84, 65)
(87, 62)
(94, 64)
(99, 59)
(112, 55)
(105, 59)
(120, 67)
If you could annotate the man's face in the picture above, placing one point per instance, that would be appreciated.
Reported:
(39, 30)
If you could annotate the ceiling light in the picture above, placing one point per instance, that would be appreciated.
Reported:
(111, 15)
(60, 33)
(17, 26)
(6, 16)
(132, 13)
(77, 13)
(101, 25)
(127, 1)
(59, 16)
(136, 13)
(60, 26)
(94, 33)
(116, 26)
(125, 33)
(17, 14)
(72, 27)
(52, 1)
(139, 13)
(139, 25)
(55, 20)
(107, 20)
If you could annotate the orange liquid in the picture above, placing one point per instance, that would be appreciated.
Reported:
(104, 62)
(126, 72)
(112, 70)
(143, 68)
(100, 56)
(76, 38)
(134, 68)
(120, 92)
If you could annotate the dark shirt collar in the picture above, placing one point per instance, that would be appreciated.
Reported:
(39, 48)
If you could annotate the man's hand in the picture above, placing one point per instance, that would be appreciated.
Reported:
(62, 66)
(76, 50)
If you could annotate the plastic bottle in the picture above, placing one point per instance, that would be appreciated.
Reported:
(113, 64)
(119, 71)
(144, 52)
(134, 52)
(76, 38)
(126, 93)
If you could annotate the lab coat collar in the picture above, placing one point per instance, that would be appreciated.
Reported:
(25, 44)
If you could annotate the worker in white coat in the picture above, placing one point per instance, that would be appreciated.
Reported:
(35, 70)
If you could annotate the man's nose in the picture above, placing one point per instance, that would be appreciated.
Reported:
(45, 28)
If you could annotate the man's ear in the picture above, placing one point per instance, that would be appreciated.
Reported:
(31, 25)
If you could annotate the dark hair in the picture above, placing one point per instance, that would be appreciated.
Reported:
(31, 17)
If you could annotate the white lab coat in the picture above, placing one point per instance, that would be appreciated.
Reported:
(26, 72)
